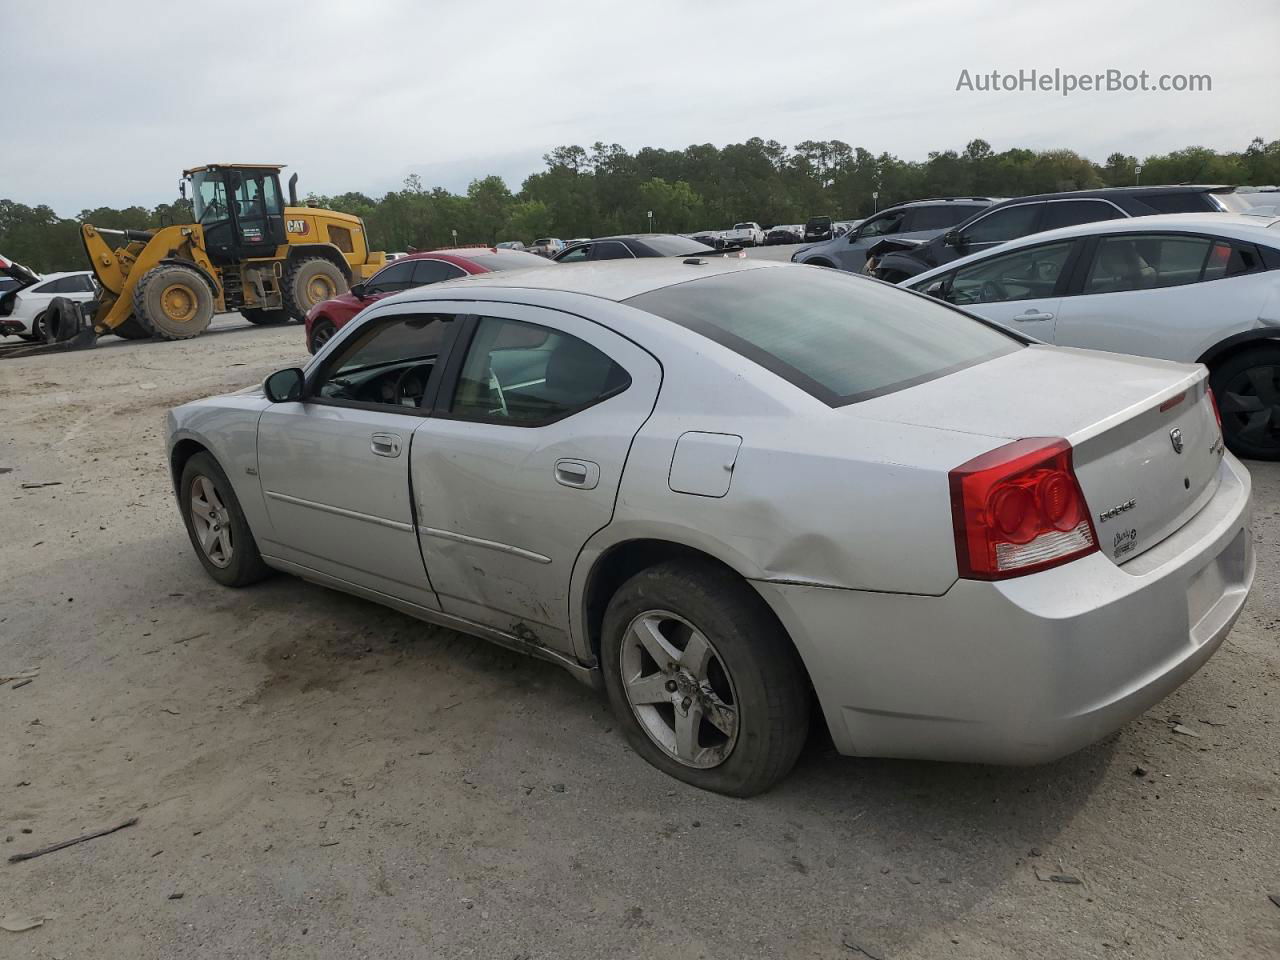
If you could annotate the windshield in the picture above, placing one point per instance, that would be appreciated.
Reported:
(209, 195)
(839, 337)
(819, 222)
(676, 246)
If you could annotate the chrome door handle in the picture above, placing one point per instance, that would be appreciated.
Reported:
(582, 474)
(385, 444)
(1031, 315)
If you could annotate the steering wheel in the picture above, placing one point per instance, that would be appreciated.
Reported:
(993, 290)
(497, 385)
(401, 393)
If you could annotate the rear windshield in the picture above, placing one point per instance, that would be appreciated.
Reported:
(509, 260)
(840, 337)
(819, 222)
(676, 246)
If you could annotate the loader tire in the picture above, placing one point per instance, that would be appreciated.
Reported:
(263, 317)
(174, 301)
(310, 281)
(131, 329)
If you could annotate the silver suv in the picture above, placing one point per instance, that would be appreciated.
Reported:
(917, 220)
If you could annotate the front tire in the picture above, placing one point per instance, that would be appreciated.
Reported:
(1247, 388)
(703, 679)
(173, 302)
(217, 526)
(322, 331)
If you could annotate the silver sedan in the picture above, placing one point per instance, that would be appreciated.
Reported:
(724, 489)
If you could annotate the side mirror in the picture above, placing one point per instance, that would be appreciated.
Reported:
(937, 289)
(359, 292)
(284, 385)
(953, 238)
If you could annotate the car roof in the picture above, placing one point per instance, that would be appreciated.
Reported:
(615, 280)
(1104, 192)
(1234, 226)
(64, 273)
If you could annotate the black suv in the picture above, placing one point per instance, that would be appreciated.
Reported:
(895, 260)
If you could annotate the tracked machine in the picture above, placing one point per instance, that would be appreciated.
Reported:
(248, 251)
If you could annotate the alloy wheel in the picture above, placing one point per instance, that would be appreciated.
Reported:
(1250, 404)
(211, 521)
(679, 689)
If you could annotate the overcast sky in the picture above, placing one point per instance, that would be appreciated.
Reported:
(106, 104)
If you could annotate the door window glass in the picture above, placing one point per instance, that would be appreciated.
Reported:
(880, 226)
(1146, 262)
(387, 362)
(433, 271)
(1067, 213)
(575, 254)
(610, 250)
(941, 216)
(1007, 224)
(398, 276)
(525, 374)
(1020, 275)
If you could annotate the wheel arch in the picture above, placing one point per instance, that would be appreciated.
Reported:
(306, 251)
(622, 560)
(182, 451)
(1237, 343)
(214, 287)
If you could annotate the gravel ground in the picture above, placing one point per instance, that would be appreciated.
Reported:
(315, 776)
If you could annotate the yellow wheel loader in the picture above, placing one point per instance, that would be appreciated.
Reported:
(247, 251)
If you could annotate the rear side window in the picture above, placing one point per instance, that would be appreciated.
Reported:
(611, 250)
(940, 217)
(676, 246)
(1178, 202)
(433, 271)
(1067, 213)
(1148, 261)
(528, 375)
(840, 338)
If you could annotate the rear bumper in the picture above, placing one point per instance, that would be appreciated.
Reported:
(1025, 670)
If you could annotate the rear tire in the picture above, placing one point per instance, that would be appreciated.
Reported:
(310, 281)
(36, 333)
(1247, 388)
(264, 318)
(174, 302)
(238, 563)
(750, 667)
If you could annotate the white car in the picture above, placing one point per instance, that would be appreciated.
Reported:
(23, 309)
(749, 234)
(1195, 287)
(963, 545)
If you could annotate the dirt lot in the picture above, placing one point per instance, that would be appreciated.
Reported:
(316, 776)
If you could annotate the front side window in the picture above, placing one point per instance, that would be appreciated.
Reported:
(611, 250)
(1007, 224)
(1145, 262)
(398, 276)
(882, 226)
(1020, 275)
(527, 375)
(838, 337)
(388, 362)
(575, 254)
(1067, 213)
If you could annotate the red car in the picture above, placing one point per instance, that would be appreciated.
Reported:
(415, 270)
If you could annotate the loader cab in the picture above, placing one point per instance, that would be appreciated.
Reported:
(240, 208)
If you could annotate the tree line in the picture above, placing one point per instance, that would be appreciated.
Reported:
(607, 190)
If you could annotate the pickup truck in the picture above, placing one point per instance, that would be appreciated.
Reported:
(749, 234)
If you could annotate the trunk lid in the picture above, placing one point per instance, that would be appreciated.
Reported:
(1145, 441)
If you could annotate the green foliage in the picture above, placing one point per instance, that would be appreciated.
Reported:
(605, 189)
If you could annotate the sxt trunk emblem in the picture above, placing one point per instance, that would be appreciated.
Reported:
(1175, 437)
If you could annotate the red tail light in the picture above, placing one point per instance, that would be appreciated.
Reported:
(1217, 414)
(1019, 509)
